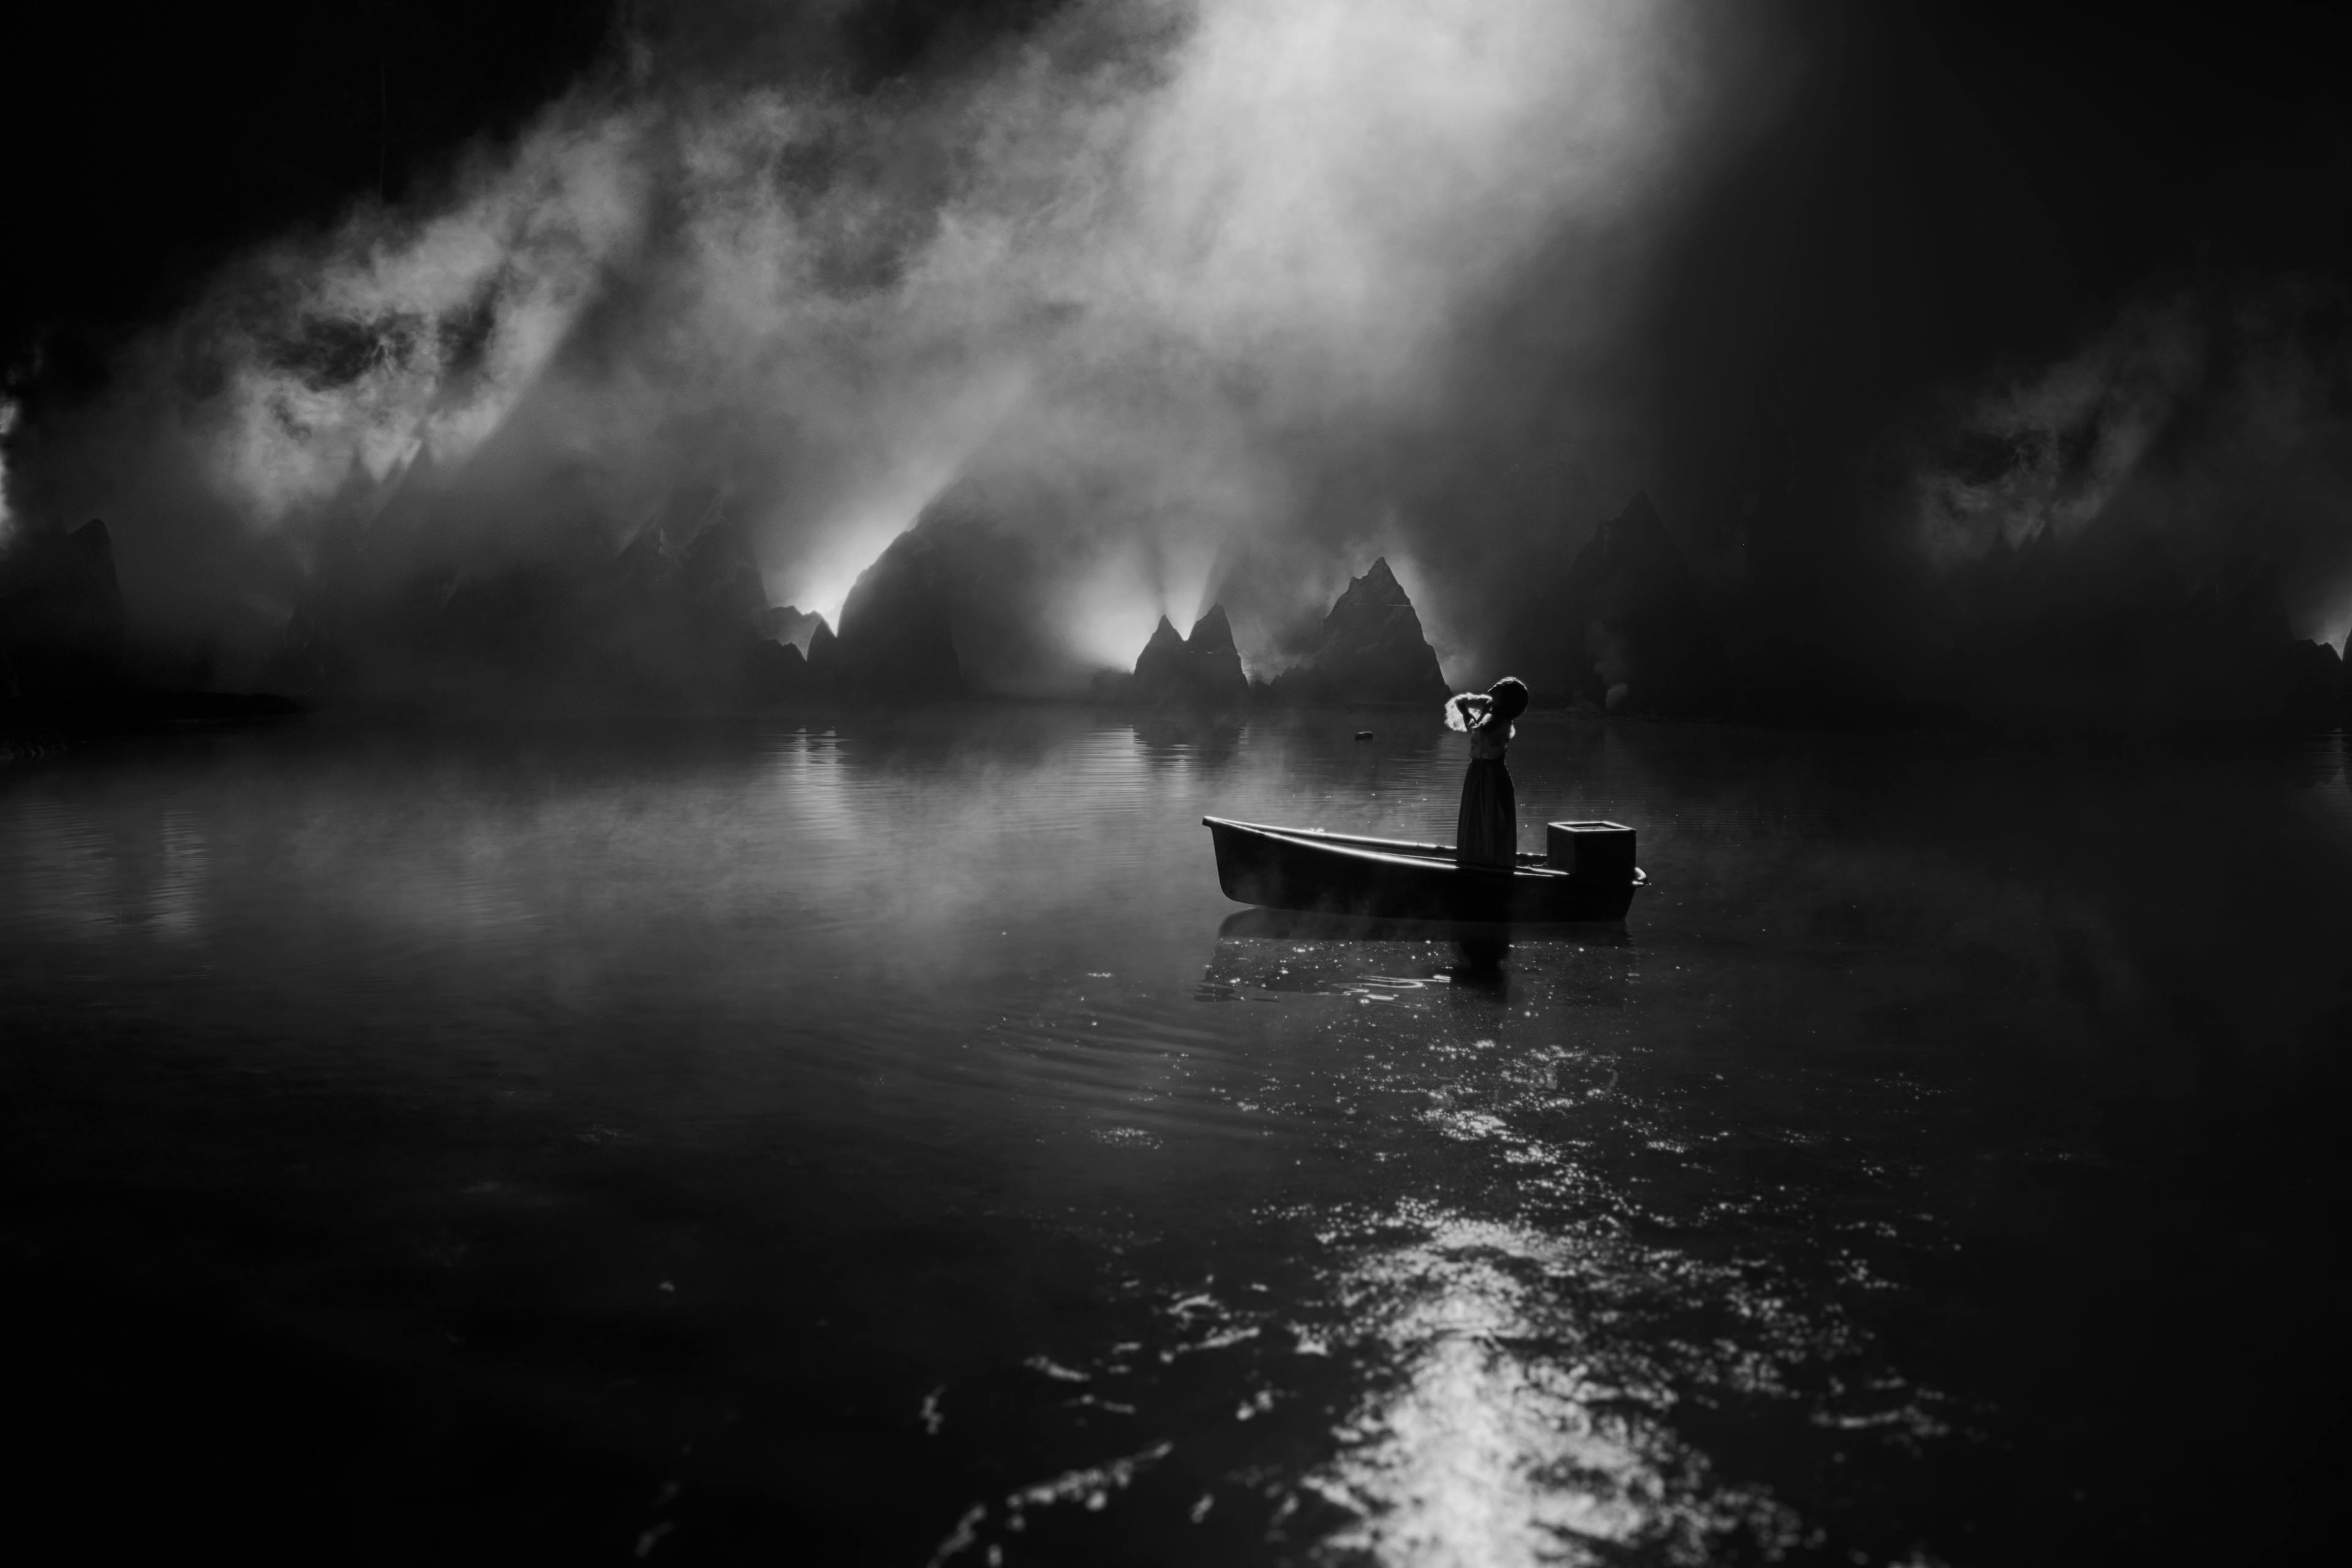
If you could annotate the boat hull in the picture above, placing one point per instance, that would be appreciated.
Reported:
(1322, 873)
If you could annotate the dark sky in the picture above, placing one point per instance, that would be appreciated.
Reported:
(1959, 183)
(2057, 154)
(1962, 193)
(1953, 176)
(146, 143)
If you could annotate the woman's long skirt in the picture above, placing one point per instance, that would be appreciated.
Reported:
(1488, 831)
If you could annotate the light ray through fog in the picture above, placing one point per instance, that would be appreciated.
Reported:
(1279, 289)
(1159, 252)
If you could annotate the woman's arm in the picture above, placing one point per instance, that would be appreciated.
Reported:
(1466, 711)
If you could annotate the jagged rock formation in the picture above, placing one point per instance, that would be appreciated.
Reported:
(1637, 636)
(1161, 662)
(667, 623)
(991, 571)
(1372, 650)
(781, 667)
(1215, 661)
(721, 576)
(1203, 670)
(895, 639)
(60, 614)
(1006, 561)
(791, 623)
(776, 672)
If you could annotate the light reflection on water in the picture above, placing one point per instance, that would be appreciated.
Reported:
(1504, 1439)
(893, 1115)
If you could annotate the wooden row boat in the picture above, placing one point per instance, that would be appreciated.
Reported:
(1588, 874)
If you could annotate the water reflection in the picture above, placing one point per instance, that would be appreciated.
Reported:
(1507, 1429)
(94, 874)
(1209, 741)
(1275, 950)
(896, 1102)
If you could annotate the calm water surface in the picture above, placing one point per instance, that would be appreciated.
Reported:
(881, 1142)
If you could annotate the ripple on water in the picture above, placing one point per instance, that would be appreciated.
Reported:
(1509, 1425)
(1210, 1234)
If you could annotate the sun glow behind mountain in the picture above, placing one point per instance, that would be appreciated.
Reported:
(1183, 245)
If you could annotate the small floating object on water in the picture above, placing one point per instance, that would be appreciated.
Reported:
(1586, 873)
(1363, 734)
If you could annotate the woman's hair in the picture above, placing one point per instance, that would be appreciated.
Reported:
(1510, 697)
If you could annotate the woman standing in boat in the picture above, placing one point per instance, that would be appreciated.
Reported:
(1488, 831)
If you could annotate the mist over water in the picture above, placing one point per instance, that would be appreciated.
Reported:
(881, 1136)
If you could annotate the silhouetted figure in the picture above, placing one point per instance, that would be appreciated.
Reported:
(1488, 831)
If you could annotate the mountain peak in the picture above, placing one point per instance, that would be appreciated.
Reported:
(1205, 670)
(1378, 588)
(1212, 633)
(1373, 649)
